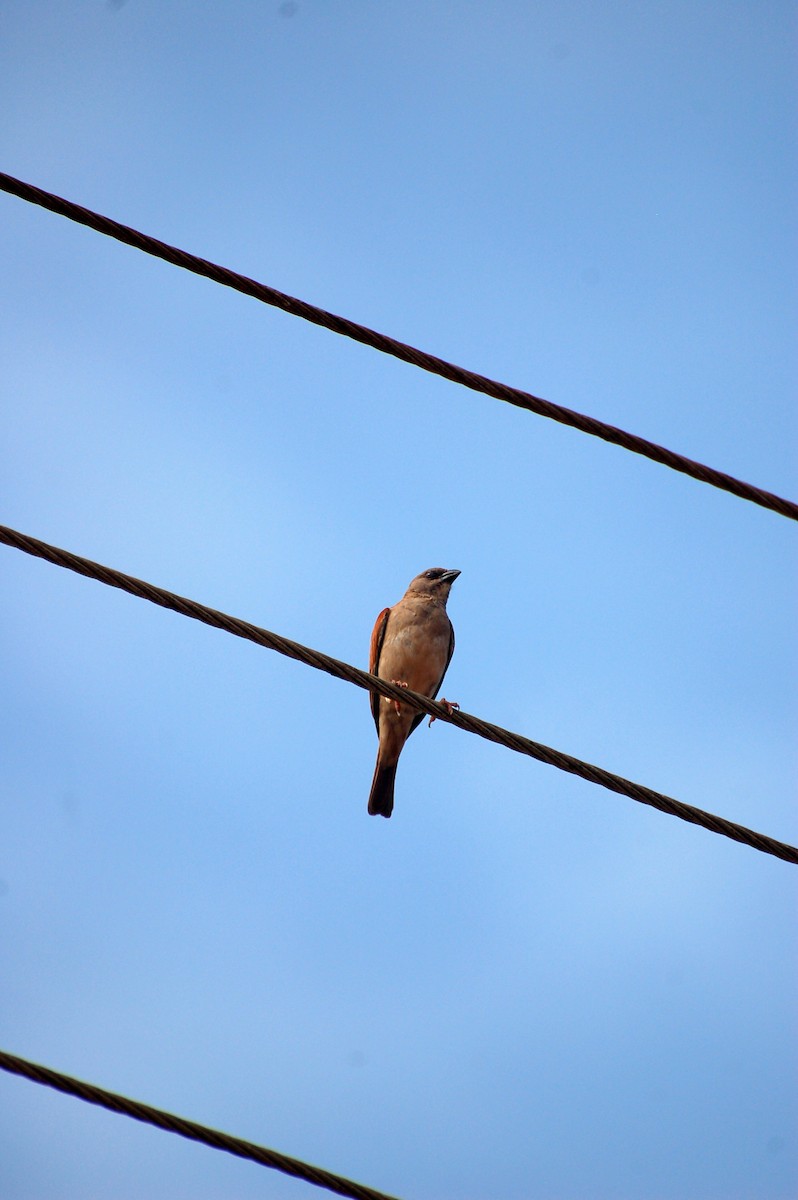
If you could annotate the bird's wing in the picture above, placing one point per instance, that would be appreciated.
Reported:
(449, 655)
(377, 638)
(420, 716)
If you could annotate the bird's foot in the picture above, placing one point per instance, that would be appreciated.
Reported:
(449, 705)
(398, 683)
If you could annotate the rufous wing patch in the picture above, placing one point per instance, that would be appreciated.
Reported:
(377, 638)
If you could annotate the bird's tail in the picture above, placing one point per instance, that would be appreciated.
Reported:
(381, 798)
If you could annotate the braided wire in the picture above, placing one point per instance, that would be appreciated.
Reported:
(389, 345)
(372, 683)
(187, 1129)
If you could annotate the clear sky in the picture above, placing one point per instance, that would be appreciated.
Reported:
(520, 986)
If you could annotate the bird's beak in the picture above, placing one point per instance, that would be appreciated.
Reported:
(450, 576)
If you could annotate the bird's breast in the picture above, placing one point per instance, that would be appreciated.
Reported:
(416, 650)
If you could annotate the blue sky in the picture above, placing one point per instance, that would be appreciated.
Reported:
(521, 985)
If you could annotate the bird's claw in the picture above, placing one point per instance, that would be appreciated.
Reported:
(449, 705)
(398, 683)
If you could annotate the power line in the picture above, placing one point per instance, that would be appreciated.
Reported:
(389, 345)
(187, 1129)
(372, 683)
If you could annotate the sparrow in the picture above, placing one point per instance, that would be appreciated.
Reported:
(411, 645)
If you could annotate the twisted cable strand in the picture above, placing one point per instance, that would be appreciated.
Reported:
(389, 345)
(372, 683)
(187, 1129)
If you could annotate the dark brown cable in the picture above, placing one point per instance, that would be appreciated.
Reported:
(388, 345)
(371, 683)
(187, 1129)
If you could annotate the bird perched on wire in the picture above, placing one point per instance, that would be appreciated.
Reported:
(411, 645)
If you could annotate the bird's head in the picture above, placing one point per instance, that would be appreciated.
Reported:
(436, 583)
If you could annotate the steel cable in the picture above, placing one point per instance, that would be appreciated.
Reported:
(187, 1129)
(371, 683)
(388, 345)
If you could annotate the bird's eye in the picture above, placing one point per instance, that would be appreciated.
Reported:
(433, 573)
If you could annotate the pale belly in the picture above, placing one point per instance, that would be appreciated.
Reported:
(416, 660)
